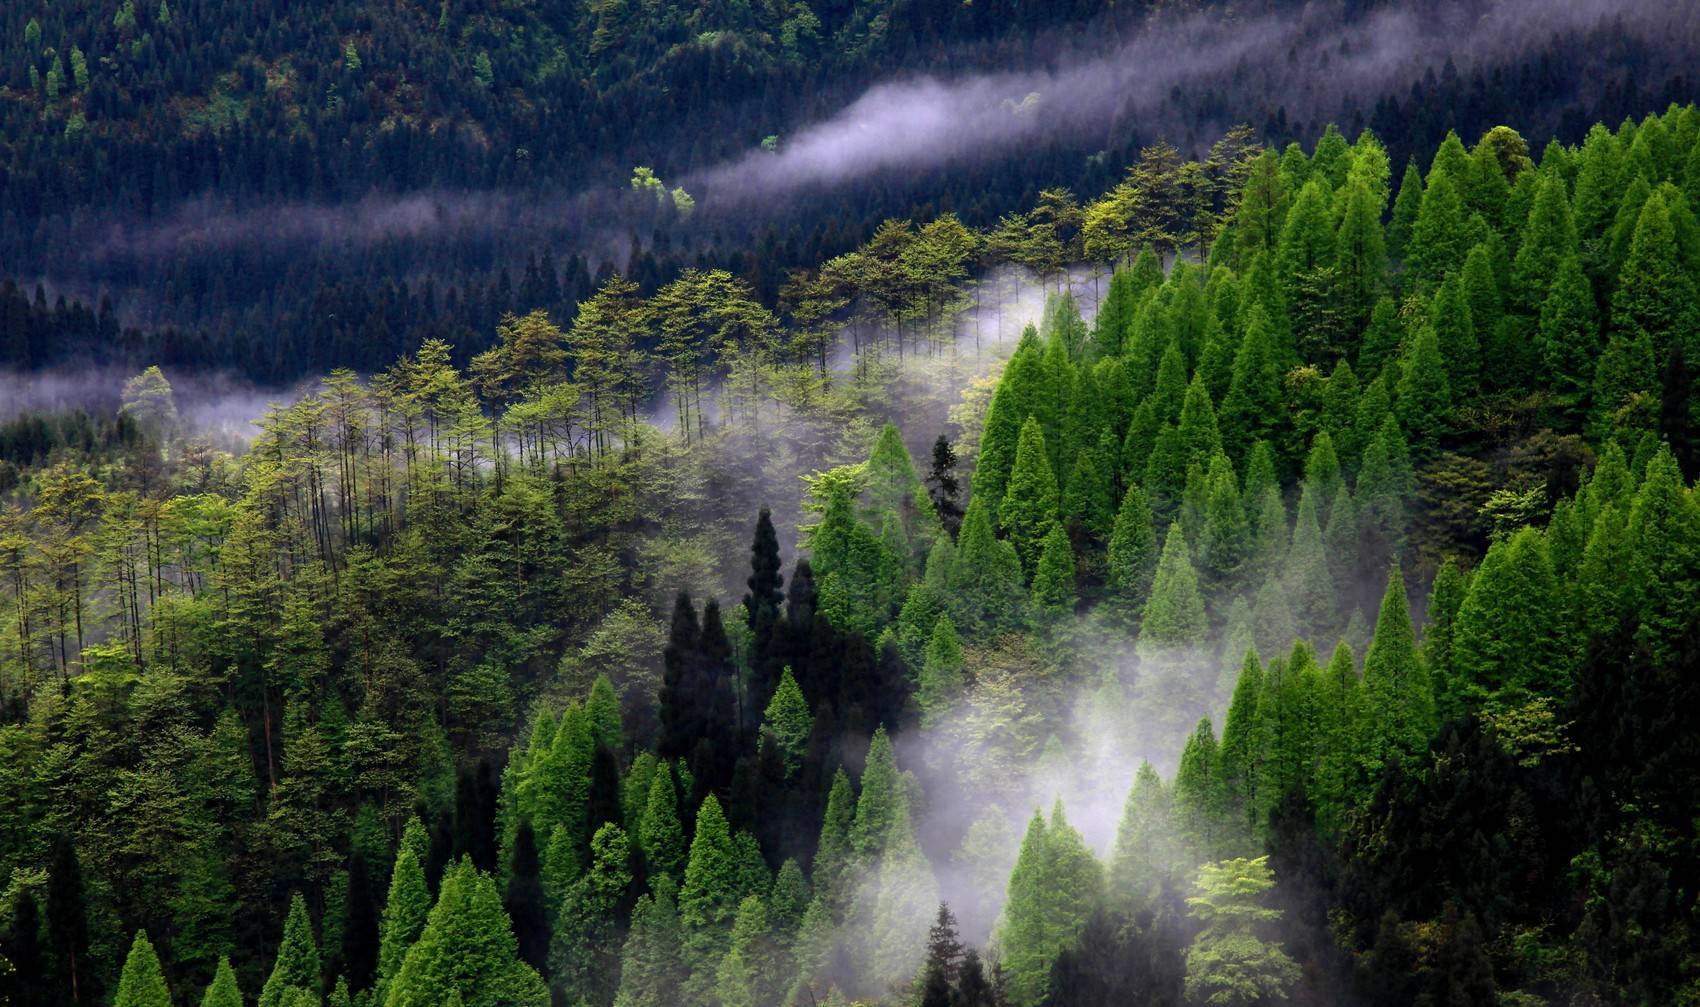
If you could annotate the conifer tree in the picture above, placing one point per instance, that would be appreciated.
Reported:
(1088, 509)
(1405, 207)
(1504, 646)
(661, 837)
(941, 672)
(1241, 750)
(1253, 409)
(584, 949)
(738, 978)
(1144, 856)
(1570, 339)
(1549, 237)
(1339, 708)
(1305, 576)
(986, 587)
(1439, 237)
(466, 950)
(1174, 615)
(1200, 805)
(1381, 340)
(1055, 886)
(1655, 297)
(142, 983)
(877, 803)
(1054, 593)
(1030, 505)
(297, 961)
(833, 852)
(787, 720)
(708, 899)
(223, 991)
(1132, 553)
(1424, 402)
(906, 887)
(1018, 394)
(1225, 544)
(1398, 695)
(1360, 261)
(1665, 571)
(1455, 332)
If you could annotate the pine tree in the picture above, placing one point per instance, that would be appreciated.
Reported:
(942, 681)
(833, 852)
(1305, 576)
(1666, 566)
(1225, 544)
(1030, 505)
(906, 887)
(584, 949)
(223, 991)
(1017, 397)
(1361, 261)
(297, 962)
(142, 983)
(1088, 508)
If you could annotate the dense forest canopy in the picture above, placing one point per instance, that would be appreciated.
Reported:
(279, 190)
(1274, 577)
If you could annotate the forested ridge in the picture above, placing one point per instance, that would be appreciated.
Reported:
(1316, 623)
(155, 154)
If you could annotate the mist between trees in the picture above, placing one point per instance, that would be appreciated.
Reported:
(461, 628)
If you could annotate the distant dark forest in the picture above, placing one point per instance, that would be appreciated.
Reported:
(127, 119)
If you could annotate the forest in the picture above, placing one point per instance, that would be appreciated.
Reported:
(441, 164)
(1271, 578)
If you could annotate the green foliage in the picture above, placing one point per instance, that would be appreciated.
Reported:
(1029, 507)
(1228, 963)
(297, 963)
(942, 680)
(788, 721)
(1055, 886)
(142, 983)
(466, 950)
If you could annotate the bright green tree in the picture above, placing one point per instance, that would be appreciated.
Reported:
(297, 962)
(467, 950)
(1398, 694)
(1132, 553)
(1029, 506)
(1054, 888)
(142, 983)
(1229, 964)
(1054, 594)
(223, 991)
(788, 721)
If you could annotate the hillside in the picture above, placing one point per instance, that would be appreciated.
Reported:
(1310, 619)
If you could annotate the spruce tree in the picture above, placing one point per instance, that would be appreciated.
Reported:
(1200, 804)
(906, 888)
(1506, 647)
(877, 803)
(661, 837)
(986, 589)
(1144, 857)
(1132, 554)
(1240, 750)
(1254, 408)
(1664, 532)
(1225, 544)
(833, 852)
(1405, 207)
(1549, 237)
(1439, 237)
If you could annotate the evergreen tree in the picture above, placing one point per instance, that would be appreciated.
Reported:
(906, 886)
(709, 900)
(833, 852)
(142, 983)
(1200, 805)
(1549, 237)
(1225, 544)
(1424, 402)
(584, 949)
(1053, 580)
(788, 722)
(1228, 963)
(1030, 505)
(877, 803)
(1144, 855)
(1505, 646)
(1240, 751)
(1398, 695)
(1570, 339)
(661, 837)
(524, 901)
(1132, 552)
(1439, 238)
(942, 681)
(986, 586)
(1056, 885)
(467, 950)
(1456, 335)
(223, 991)
(1405, 207)
(1254, 407)
(297, 962)
(1174, 615)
